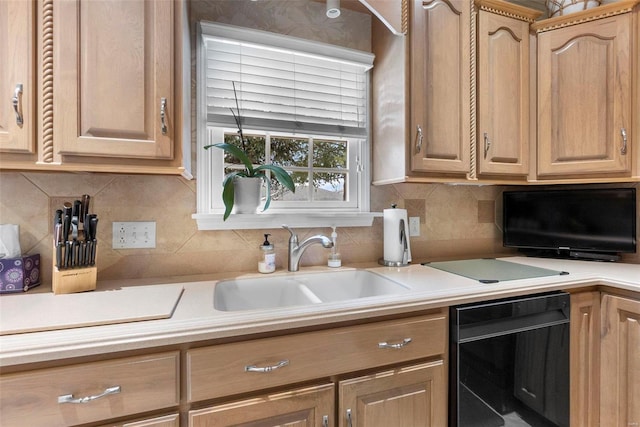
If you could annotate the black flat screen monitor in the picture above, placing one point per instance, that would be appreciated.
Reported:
(571, 223)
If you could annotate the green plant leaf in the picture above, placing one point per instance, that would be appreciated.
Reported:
(280, 174)
(228, 193)
(237, 153)
(267, 202)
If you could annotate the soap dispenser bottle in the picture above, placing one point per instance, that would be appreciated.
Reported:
(267, 262)
(333, 260)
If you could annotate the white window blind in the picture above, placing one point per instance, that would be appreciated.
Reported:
(284, 83)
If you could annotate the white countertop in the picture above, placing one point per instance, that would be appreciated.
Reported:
(195, 319)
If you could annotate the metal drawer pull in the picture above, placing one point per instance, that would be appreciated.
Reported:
(419, 140)
(68, 398)
(16, 104)
(163, 115)
(404, 343)
(487, 144)
(254, 368)
(623, 150)
(349, 422)
(325, 421)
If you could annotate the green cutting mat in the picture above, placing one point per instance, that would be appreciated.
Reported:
(489, 270)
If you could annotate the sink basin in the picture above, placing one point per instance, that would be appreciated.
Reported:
(301, 289)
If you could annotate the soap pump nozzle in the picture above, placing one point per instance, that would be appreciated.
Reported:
(334, 256)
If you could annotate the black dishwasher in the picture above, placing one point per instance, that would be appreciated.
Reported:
(510, 362)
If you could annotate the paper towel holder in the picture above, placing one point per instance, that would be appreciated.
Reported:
(404, 240)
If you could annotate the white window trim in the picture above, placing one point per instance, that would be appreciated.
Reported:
(208, 217)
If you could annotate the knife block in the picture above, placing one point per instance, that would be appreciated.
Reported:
(70, 280)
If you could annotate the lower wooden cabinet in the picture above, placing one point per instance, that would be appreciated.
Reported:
(413, 396)
(408, 386)
(90, 392)
(605, 360)
(585, 359)
(311, 406)
(620, 362)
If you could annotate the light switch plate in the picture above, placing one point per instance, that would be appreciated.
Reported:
(414, 226)
(134, 235)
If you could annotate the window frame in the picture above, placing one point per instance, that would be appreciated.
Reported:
(210, 173)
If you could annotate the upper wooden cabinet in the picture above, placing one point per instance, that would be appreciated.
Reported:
(109, 85)
(17, 76)
(113, 85)
(584, 97)
(440, 86)
(503, 88)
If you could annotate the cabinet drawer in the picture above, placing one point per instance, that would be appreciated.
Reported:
(145, 383)
(224, 370)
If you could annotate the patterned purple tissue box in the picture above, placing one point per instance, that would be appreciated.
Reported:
(19, 274)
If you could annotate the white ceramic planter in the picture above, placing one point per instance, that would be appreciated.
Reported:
(246, 194)
(564, 7)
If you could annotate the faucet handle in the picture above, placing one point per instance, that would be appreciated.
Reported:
(294, 236)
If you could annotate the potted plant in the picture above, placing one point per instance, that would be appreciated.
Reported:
(242, 187)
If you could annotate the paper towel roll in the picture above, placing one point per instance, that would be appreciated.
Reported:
(393, 246)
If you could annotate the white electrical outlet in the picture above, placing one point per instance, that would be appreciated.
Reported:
(414, 226)
(134, 235)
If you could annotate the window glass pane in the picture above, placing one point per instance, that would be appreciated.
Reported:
(301, 182)
(329, 186)
(289, 151)
(330, 154)
(254, 147)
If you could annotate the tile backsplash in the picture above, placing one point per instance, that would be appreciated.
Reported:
(453, 224)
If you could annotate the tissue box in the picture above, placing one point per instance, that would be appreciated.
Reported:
(19, 274)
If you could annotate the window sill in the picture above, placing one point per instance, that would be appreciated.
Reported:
(292, 219)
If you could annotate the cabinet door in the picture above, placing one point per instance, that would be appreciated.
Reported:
(584, 89)
(308, 407)
(17, 82)
(114, 78)
(585, 359)
(503, 95)
(440, 86)
(165, 421)
(620, 357)
(414, 396)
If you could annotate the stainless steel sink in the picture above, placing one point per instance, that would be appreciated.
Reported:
(301, 289)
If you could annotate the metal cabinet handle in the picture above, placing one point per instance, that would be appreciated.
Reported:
(254, 368)
(487, 144)
(623, 149)
(404, 343)
(419, 138)
(325, 421)
(68, 398)
(163, 115)
(349, 422)
(16, 104)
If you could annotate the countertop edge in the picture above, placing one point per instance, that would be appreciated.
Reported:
(59, 345)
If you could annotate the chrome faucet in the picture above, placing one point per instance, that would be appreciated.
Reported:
(296, 251)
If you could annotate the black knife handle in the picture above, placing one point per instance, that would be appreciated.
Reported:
(66, 218)
(84, 208)
(68, 254)
(94, 248)
(59, 255)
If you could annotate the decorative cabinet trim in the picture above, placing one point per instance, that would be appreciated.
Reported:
(47, 81)
(509, 10)
(611, 9)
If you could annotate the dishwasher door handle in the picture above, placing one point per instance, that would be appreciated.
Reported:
(510, 325)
